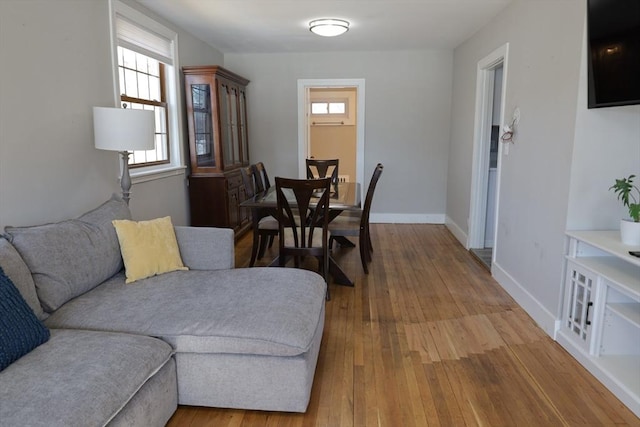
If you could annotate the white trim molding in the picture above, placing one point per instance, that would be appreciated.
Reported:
(457, 232)
(482, 129)
(543, 317)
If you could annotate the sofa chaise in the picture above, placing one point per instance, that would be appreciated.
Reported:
(124, 353)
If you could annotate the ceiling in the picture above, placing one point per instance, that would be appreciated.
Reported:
(270, 26)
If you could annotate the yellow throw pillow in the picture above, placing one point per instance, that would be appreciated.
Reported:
(148, 247)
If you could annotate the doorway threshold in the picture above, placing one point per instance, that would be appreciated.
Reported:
(483, 255)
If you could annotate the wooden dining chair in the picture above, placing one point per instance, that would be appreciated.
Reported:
(304, 229)
(344, 226)
(265, 226)
(320, 168)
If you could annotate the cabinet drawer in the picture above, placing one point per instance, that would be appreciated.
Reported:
(234, 180)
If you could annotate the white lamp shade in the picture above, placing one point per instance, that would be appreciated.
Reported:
(122, 129)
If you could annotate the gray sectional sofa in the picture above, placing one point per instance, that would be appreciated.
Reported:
(127, 354)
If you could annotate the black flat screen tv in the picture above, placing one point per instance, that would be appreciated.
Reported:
(613, 28)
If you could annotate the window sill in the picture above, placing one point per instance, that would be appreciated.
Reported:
(157, 173)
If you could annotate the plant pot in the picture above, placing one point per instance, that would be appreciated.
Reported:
(630, 232)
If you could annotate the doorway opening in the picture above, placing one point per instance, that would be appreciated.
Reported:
(327, 129)
(332, 128)
(487, 154)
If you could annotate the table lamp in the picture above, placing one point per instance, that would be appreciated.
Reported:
(123, 130)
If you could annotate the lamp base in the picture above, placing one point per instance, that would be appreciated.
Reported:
(125, 180)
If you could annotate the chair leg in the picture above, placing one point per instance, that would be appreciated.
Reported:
(271, 241)
(364, 257)
(324, 267)
(263, 247)
(365, 254)
(365, 240)
(282, 261)
(254, 248)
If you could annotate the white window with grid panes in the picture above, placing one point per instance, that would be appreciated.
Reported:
(146, 77)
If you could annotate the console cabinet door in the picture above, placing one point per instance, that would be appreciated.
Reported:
(580, 288)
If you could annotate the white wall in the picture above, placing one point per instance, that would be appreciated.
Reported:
(606, 147)
(545, 41)
(55, 67)
(408, 98)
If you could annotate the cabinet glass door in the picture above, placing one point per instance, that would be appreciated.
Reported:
(202, 125)
(226, 124)
(581, 288)
(242, 127)
(233, 103)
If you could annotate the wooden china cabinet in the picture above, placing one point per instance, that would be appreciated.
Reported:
(218, 146)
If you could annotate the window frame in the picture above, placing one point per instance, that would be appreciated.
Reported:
(176, 164)
(126, 99)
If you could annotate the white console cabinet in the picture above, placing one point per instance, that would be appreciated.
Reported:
(601, 311)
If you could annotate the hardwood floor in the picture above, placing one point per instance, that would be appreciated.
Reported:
(428, 338)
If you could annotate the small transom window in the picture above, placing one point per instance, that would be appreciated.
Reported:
(321, 108)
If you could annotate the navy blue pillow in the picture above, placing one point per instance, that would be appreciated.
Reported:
(20, 329)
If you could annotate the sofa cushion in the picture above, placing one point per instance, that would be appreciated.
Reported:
(69, 258)
(78, 378)
(148, 247)
(20, 329)
(263, 310)
(14, 267)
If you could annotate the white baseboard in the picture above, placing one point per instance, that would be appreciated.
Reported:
(390, 218)
(545, 319)
(457, 232)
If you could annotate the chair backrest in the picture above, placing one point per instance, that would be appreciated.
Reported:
(261, 175)
(303, 207)
(366, 209)
(319, 169)
(248, 179)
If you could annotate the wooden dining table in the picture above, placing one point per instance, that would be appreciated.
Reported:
(345, 196)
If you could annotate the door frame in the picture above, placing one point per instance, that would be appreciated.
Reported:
(304, 85)
(481, 142)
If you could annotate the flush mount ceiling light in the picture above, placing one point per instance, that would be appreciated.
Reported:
(329, 27)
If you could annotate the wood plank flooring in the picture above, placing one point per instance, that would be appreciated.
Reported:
(428, 338)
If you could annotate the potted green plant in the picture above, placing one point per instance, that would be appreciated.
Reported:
(629, 195)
